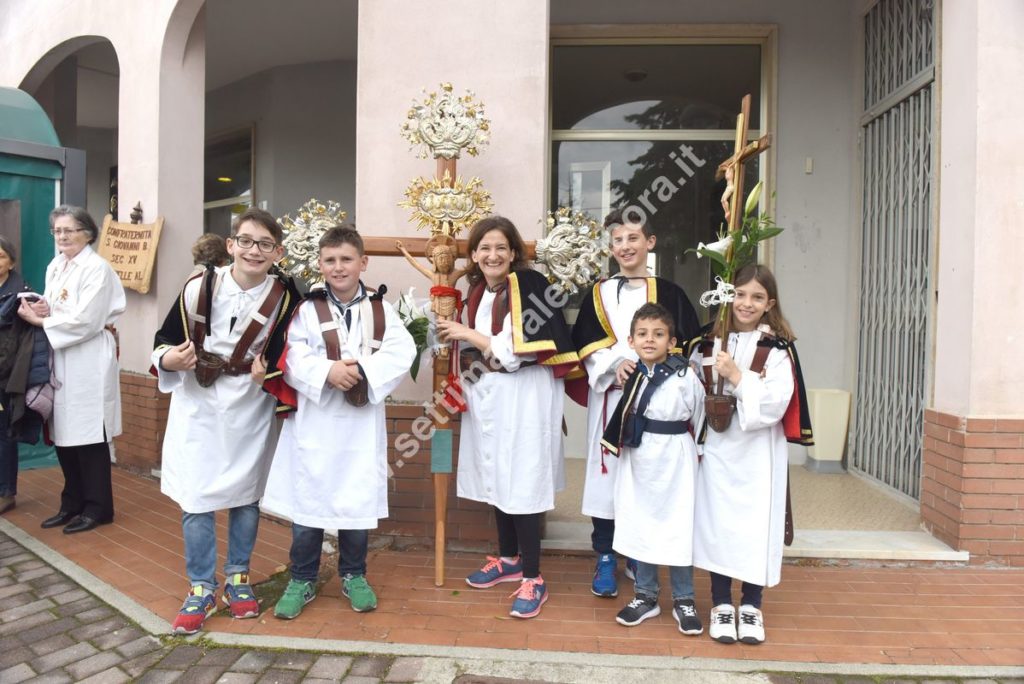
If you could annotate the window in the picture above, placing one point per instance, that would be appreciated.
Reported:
(227, 179)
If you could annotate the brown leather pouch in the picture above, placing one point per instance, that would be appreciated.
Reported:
(718, 409)
(359, 394)
(209, 367)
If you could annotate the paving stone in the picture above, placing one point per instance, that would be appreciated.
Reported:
(18, 673)
(59, 588)
(48, 629)
(370, 666)
(181, 658)
(54, 643)
(136, 666)
(22, 599)
(10, 656)
(94, 664)
(96, 629)
(358, 679)
(80, 606)
(294, 660)
(330, 667)
(13, 588)
(111, 676)
(141, 645)
(27, 622)
(275, 676)
(313, 680)
(33, 574)
(55, 677)
(159, 677)
(253, 661)
(236, 678)
(405, 670)
(31, 564)
(221, 656)
(817, 680)
(67, 596)
(98, 613)
(202, 674)
(8, 561)
(6, 578)
(117, 637)
(62, 657)
(18, 612)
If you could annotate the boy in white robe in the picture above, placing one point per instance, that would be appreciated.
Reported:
(220, 428)
(654, 486)
(330, 470)
(600, 335)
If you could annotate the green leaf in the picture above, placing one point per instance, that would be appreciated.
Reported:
(769, 232)
(711, 254)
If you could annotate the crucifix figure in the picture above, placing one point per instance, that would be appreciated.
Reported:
(732, 168)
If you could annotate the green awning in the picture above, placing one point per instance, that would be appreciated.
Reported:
(21, 118)
(26, 166)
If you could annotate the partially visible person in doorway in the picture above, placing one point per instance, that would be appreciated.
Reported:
(209, 250)
(82, 301)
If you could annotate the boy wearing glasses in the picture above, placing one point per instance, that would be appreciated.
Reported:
(211, 355)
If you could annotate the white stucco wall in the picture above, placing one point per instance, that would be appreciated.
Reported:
(980, 320)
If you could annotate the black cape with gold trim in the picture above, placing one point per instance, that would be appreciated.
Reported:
(593, 331)
(538, 326)
(175, 328)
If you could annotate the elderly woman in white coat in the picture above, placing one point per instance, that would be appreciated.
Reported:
(82, 300)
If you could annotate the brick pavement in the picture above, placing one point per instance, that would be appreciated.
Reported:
(53, 630)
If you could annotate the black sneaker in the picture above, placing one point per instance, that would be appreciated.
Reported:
(685, 613)
(638, 610)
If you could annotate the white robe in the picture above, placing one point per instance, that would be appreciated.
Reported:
(604, 395)
(219, 439)
(330, 470)
(740, 517)
(510, 447)
(654, 487)
(84, 295)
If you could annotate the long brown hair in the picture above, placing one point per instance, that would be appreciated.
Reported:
(774, 317)
(515, 241)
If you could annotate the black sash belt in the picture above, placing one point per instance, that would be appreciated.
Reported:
(664, 427)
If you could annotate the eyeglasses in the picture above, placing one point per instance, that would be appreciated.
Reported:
(245, 242)
(57, 232)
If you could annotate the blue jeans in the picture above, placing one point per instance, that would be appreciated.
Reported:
(201, 543)
(680, 576)
(307, 543)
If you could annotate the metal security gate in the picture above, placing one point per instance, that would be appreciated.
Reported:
(897, 242)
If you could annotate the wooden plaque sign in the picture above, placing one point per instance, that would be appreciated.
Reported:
(131, 250)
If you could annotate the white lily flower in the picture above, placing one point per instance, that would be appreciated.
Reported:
(752, 199)
(721, 246)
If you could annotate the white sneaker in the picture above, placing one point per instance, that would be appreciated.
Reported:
(723, 624)
(751, 625)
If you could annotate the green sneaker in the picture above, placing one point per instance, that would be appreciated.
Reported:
(296, 595)
(358, 591)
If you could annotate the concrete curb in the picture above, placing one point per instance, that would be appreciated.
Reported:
(493, 659)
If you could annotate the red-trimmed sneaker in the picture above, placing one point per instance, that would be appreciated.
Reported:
(530, 596)
(199, 604)
(240, 597)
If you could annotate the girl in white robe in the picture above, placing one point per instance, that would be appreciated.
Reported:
(740, 511)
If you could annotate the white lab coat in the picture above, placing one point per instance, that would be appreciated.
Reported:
(604, 395)
(84, 295)
(330, 470)
(219, 439)
(654, 487)
(739, 522)
(510, 447)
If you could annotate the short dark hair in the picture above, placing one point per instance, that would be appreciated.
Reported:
(79, 216)
(260, 217)
(652, 311)
(210, 249)
(344, 234)
(620, 217)
(7, 247)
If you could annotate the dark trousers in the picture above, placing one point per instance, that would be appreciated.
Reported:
(603, 534)
(307, 543)
(8, 457)
(519, 535)
(87, 490)
(721, 591)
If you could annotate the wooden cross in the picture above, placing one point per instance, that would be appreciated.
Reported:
(732, 168)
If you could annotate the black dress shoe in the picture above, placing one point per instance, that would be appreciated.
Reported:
(83, 523)
(62, 518)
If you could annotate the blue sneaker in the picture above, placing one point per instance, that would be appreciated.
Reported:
(496, 571)
(530, 596)
(630, 571)
(605, 584)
